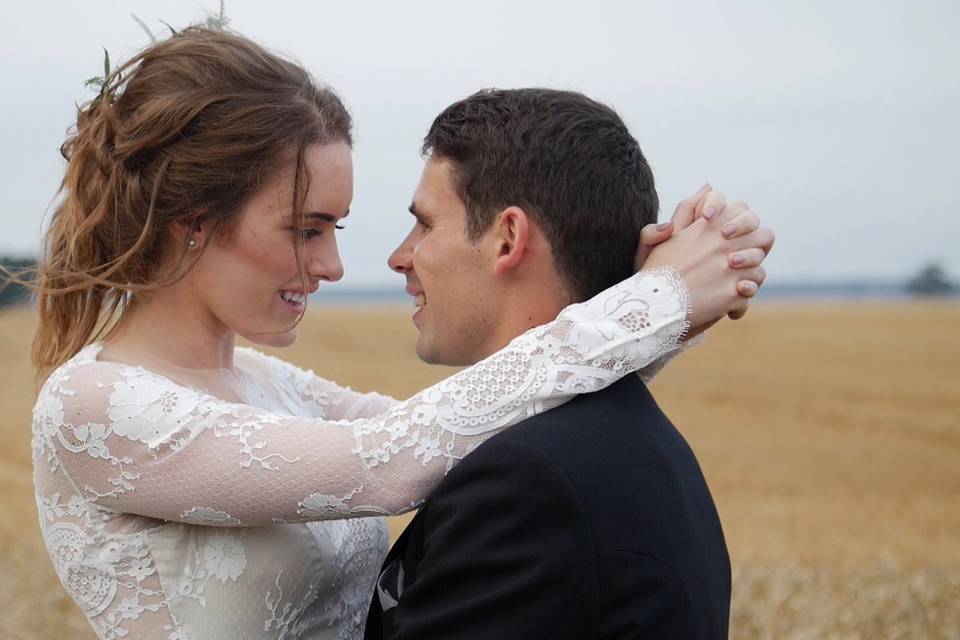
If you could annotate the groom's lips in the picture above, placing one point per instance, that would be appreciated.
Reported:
(416, 294)
(419, 301)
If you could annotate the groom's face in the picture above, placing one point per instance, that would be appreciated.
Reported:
(449, 277)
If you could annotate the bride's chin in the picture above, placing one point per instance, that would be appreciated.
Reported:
(284, 339)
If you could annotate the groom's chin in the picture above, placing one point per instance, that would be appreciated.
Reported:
(452, 354)
(424, 352)
(429, 351)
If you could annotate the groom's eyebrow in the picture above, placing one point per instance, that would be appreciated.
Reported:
(421, 218)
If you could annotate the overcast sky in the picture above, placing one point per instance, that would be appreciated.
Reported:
(836, 120)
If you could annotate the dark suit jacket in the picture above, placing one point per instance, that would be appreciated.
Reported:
(589, 521)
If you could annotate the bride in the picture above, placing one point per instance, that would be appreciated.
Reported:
(188, 488)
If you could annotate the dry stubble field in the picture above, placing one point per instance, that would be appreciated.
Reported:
(829, 434)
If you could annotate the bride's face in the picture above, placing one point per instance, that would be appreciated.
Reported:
(249, 281)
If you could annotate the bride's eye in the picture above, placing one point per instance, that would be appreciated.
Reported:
(309, 234)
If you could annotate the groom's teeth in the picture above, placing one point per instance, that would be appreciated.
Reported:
(420, 300)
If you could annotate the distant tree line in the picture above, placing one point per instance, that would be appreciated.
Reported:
(932, 280)
(11, 292)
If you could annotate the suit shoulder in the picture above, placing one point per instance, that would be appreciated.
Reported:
(509, 457)
(512, 485)
(623, 416)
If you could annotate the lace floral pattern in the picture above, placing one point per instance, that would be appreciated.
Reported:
(92, 585)
(169, 513)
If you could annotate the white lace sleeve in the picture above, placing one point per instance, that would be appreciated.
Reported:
(649, 372)
(329, 400)
(326, 399)
(136, 442)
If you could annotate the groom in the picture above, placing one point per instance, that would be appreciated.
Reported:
(592, 520)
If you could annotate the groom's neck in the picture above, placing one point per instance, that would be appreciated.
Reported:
(523, 307)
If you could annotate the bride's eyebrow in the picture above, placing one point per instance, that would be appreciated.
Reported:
(309, 216)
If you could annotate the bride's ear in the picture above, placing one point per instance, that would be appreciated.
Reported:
(511, 235)
(190, 233)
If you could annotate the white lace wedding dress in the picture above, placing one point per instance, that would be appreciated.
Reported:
(169, 513)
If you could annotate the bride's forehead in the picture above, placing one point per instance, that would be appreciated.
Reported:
(323, 203)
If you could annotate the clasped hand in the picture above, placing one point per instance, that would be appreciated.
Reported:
(717, 248)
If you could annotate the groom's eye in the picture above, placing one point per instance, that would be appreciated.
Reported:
(420, 218)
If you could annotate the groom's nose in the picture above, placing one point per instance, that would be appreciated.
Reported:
(401, 260)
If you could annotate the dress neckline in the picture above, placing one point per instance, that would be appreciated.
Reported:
(243, 377)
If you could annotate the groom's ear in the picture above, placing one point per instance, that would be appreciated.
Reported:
(510, 235)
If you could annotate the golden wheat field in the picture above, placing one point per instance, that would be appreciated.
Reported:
(829, 434)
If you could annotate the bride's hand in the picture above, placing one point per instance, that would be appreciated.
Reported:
(718, 249)
(654, 234)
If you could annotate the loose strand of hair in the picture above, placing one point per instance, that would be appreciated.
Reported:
(301, 184)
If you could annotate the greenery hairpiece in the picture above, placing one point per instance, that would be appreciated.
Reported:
(215, 22)
(220, 21)
(100, 81)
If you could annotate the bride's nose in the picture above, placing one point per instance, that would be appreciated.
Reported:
(323, 263)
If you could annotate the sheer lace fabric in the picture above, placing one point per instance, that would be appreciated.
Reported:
(170, 513)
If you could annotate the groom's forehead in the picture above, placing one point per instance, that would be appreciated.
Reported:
(436, 195)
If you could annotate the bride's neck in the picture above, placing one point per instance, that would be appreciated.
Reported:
(168, 327)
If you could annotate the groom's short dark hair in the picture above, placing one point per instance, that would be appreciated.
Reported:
(567, 160)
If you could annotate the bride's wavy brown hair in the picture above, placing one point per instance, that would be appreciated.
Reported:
(185, 131)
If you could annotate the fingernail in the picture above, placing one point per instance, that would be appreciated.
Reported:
(663, 226)
(729, 230)
(737, 260)
(709, 213)
(706, 187)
